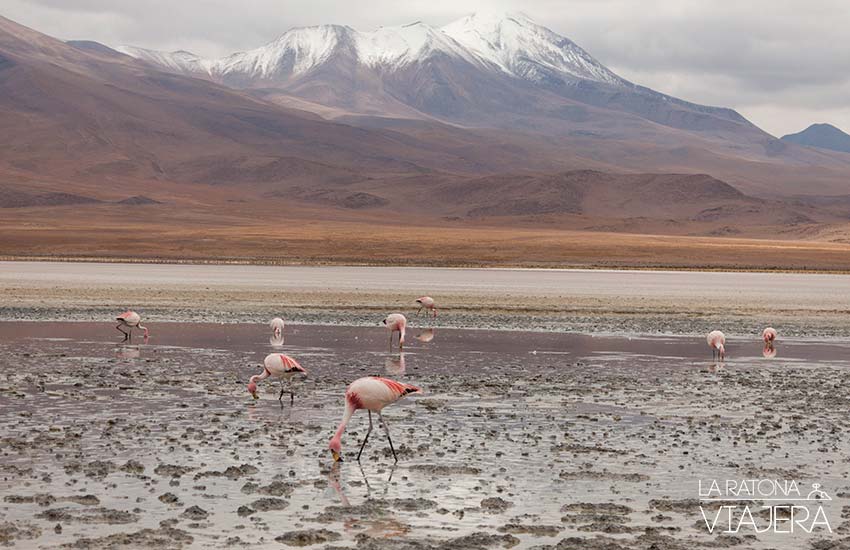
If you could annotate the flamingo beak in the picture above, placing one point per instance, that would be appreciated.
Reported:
(337, 457)
(254, 395)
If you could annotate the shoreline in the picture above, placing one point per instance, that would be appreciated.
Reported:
(579, 301)
(413, 264)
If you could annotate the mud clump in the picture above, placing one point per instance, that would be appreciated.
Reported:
(369, 509)
(273, 489)
(89, 515)
(495, 505)
(603, 476)
(533, 530)
(99, 469)
(133, 467)
(413, 504)
(232, 472)
(266, 504)
(164, 538)
(172, 470)
(169, 498)
(195, 513)
(41, 499)
(18, 530)
(308, 537)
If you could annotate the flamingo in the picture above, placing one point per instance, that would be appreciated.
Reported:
(396, 322)
(717, 341)
(372, 393)
(428, 303)
(280, 366)
(769, 335)
(276, 325)
(131, 320)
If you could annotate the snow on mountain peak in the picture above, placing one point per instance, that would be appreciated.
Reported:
(296, 51)
(525, 49)
(497, 41)
(403, 44)
(180, 60)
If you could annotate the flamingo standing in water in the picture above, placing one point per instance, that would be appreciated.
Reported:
(131, 320)
(717, 342)
(396, 322)
(372, 393)
(428, 303)
(276, 325)
(280, 366)
(769, 335)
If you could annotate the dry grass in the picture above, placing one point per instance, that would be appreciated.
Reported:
(251, 232)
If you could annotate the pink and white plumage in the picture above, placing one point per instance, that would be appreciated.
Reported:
(396, 322)
(428, 303)
(276, 325)
(131, 320)
(280, 366)
(768, 335)
(372, 393)
(717, 342)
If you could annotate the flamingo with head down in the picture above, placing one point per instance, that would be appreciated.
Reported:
(281, 367)
(130, 319)
(768, 335)
(396, 322)
(429, 304)
(717, 342)
(372, 393)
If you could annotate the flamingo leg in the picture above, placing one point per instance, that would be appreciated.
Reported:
(365, 439)
(387, 430)
(391, 341)
(280, 397)
(418, 311)
(122, 332)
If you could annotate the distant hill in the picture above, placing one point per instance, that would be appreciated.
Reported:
(822, 136)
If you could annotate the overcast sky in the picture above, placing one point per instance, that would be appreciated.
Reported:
(783, 64)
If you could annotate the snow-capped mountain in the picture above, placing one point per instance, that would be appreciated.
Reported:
(511, 43)
(524, 49)
(491, 70)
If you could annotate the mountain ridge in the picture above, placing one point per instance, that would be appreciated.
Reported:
(822, 136)
(514, 64)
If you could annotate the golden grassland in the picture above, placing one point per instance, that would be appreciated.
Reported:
(253, 234)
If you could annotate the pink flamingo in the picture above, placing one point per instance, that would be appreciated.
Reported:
(428, 303)
(131, 320)
(372, 393)
(769, 335)
(717, 341)
(396, 322)
(280, 366)
(277, 325)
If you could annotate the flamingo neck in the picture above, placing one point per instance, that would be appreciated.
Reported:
(349, 411)
(144, 329)
(257, 377)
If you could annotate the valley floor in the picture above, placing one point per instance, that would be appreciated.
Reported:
(277, 237)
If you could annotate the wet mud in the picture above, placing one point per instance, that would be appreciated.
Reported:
(520, 440)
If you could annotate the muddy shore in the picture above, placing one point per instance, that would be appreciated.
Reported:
(521, 440)
(620, 302)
